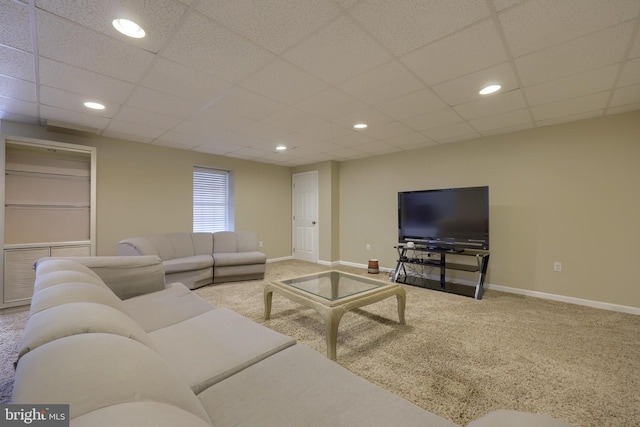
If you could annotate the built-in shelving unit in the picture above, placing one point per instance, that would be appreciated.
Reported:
(48, 193)
(427, 267)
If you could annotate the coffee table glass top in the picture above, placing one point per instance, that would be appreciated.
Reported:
(333, 285)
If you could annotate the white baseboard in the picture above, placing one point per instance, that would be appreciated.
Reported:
(536, 294)
(284, 258)
(562, 298)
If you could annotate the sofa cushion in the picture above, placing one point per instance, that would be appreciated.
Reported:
(73, 292)
(55, 278)
(96, 371)
(299, 386)
(127, 276)
(239, 258)
(220, 342)
(510, 418)
(48, 265)
(202, 243)
(196, 262)
(163, 246)
(78, 318)
(225, 242)
(137, 246)
(140, 414)
(182, 244)
(172, 305)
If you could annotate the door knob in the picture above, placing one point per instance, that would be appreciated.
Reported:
(313, 223)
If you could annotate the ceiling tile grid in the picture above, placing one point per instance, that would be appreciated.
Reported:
(239, 77)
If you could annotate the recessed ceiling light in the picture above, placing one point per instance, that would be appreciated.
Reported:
(490, 89)
(360, 125)
(281, 147)
(128, 28)
(94, 105)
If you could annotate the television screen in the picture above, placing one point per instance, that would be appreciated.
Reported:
(452, 217)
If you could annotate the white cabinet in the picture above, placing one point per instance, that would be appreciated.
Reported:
(48, 189)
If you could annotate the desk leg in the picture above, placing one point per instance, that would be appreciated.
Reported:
(268, 296)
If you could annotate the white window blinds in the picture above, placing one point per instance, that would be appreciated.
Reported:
(211, 200)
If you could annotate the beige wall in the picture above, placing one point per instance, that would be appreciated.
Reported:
(144, 189)
(567, 193)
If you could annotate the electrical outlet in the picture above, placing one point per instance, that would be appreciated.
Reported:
(368, 247)
(557, 266)
(260, 244)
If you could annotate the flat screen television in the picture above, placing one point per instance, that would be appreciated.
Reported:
(451, 218)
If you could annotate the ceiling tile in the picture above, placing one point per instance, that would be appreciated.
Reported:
(433, 119)
(330, 103)
(175, 79)
(630, 73)
(570, 118)
(390, 80)
(152, 100)
(275, 25)
(492, 105)
(73, 117)
(325, 130)
(536, 25)
(352, 139)
(158, 18)
(17, 107)
(410, 141)
(145, 118)
(577, 56)
(451, 133)
(200, 130)
(504, 4)
(221, 119)
(583, 104)
(464, 52)
(131, 131)
(629, 95)
(205, 45)
(284, 83)
(16, 63)
(178, 140)
(248, 104)
(259, 129)
(507, 120)
(465, 89)
(337, 52)
(582, 84)
(73, 44)
(292, 119)
(15, 30)
(73, 79)
(377, 148)
(16, 88)
(370, 116)
(74, 102)
(387, 130)
(405, 25)
(422, 101)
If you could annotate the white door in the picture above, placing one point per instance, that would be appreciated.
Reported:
(305, 216)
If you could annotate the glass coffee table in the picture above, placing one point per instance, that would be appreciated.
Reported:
(333, 293)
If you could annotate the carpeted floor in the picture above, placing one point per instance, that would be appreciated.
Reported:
(456, 357)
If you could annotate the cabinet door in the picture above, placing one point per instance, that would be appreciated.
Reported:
(19, 274)
(65, 251)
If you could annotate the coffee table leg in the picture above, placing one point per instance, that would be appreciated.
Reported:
(402, 302)
(331, 322)
(268, 296)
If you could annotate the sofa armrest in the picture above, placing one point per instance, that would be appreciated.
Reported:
(127, 276)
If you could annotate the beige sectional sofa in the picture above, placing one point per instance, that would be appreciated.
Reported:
(107, 336)
(199, 259)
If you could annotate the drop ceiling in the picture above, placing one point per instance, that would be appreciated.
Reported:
(239, 77)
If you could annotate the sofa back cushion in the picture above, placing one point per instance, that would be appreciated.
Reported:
(78, 318)
(93, 371)
(73, 292)
(182, 244)
(202, 243)
(137, 246)
(140, 414)
(225, 241)
(55, 278)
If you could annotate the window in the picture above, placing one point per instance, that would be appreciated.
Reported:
(212, 200)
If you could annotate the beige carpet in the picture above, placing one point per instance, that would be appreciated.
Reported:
(457, 357)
